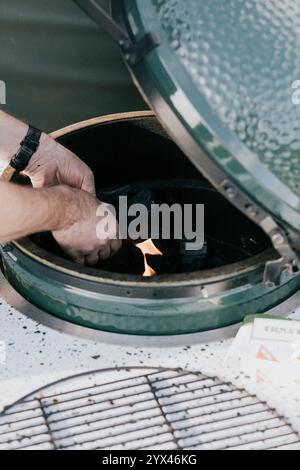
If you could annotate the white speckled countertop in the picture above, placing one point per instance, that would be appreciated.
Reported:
(37, 355)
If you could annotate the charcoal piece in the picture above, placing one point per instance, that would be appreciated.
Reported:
(46, 241)
(170, 261)
(129, 260)
(192, 260)
(134, 196)
(249, 245)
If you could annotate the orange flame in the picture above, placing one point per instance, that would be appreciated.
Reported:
(148, 248)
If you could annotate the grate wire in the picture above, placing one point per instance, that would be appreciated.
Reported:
(140, 408)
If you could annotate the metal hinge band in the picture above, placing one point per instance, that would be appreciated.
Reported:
(133, 52)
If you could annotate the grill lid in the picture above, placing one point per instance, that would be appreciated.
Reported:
(220, 76)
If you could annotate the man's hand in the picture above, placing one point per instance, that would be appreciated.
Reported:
(53, 164)
(81, 240)
(69, 213)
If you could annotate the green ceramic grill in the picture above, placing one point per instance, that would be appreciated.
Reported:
(220, 76)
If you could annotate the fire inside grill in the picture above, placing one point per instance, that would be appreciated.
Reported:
(223, 244)
(148, 248)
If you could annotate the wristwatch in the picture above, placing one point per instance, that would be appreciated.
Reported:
(29, 146)
(20, 160)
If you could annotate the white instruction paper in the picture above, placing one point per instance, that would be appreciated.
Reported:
(268, 351)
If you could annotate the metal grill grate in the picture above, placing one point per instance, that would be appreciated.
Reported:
(143, 409)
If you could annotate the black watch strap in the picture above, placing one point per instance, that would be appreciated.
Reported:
(29, 146)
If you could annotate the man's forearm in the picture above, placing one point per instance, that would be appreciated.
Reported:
(24, 211)
(71, 214)
(13, 131)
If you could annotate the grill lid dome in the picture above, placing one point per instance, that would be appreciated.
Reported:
(221, 77)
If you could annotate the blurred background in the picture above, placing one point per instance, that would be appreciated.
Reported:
(58, 66)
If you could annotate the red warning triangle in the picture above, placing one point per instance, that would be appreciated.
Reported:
(265, 355)
(262, 378)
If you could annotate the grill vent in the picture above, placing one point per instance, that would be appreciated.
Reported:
(143, 409)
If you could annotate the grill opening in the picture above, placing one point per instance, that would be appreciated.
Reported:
(229, 236)
(138, 160)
